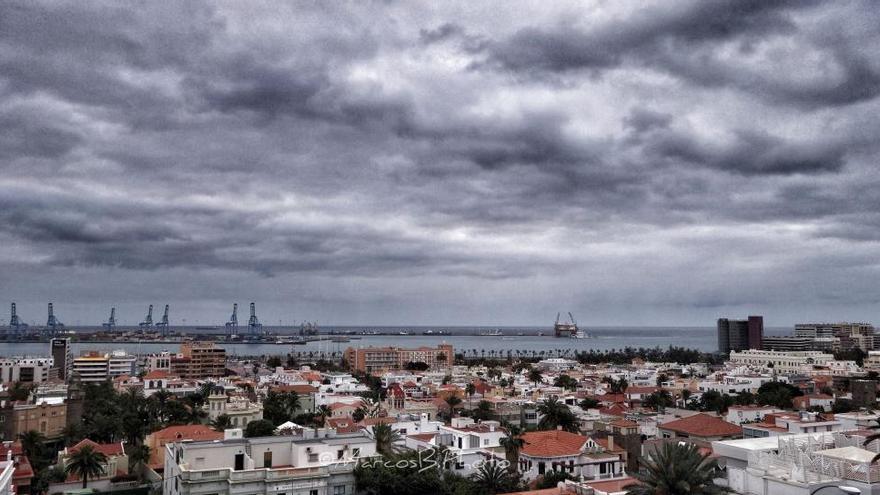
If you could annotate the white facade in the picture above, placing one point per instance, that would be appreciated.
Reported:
(96, 367)
(748, 414)
(782, 361)
(28, 370)
(289, 465)
(7, 469)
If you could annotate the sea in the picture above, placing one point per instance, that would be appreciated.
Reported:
(463, 339)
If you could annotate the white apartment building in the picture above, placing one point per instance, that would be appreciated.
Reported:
(97, 367)
(24, 369)
(799, 464)
(734, 384)
(7, 469)
(557, 364)
(782, 361)
(467, 442)
(778, 424)
(305, 464)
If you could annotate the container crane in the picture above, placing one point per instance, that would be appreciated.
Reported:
(15, 324)
(110, 324)
(254, 325)
(148, 321)
(52, 323)
(163, 324)
(232, 324)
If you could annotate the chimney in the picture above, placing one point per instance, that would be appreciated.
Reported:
(610, 442)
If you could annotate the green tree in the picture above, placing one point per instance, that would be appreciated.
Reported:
(566, 382)
(777, 394)
(552, 478)
(677, 469)
(386, 438)
(33, 444)
(483, 411)
(535, 376)
(451, 402)
(491, 478)
(280, 407)
(273, 362)
(259, 428)
(221, 423)
(512, 444)
(470, 389)
(589, 403)
(658, 400)
(86, 462)
(138, 457)
(555, 414)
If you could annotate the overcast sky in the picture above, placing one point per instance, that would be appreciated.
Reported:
(635, 163)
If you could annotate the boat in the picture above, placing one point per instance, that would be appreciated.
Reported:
(435, 332)
(340, 338)
(404, 332)
(492, 333)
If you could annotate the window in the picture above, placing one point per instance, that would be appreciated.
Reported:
(267, 459)
(355, 452)
(541, 468)
(485, 441)
(313, 457)
(313, 492)
(339, 490)
(339, 454)
(239, 462)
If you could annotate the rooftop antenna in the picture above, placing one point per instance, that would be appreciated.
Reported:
(254, 325)
(111, 322)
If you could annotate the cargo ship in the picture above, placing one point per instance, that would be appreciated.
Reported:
(565, 329)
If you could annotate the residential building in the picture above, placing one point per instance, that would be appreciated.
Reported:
(777, 424)
(304, 464)
(782, 362)
(115, 465)
(748, 414)
(848, 335)
(738, 335)
(7, 475)
(62, 358)
(798, 464)
(374, 359)
(864, 392)
(240, 410)
(199, 360)
(96, 367)
(25, 370)
(787, 343)
(578, 455)
(157, 440)
(23, 474)
(701, 429)
(306, 393)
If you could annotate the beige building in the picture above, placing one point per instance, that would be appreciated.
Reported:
(371, 359)
(48, 419)
(199, 360)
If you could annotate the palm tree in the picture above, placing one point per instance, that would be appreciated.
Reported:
(470, 389)
(535, 376)
(139, 456)
(32, 442)
(223, 422)
(451, 402)
(512, 444)
(554, 414)
(492, 478)
(321, 414)
(677, 469)
(386, 439)
(86, 463)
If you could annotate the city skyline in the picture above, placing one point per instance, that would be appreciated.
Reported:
(455, 164)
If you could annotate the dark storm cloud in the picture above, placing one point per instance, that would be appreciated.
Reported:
(430, 156)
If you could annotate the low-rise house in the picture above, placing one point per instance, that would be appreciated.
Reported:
(701, 428)
(748, 414)
(116, 465)
(240, 410)
(578, 455)
(157, 440)
(790, 424)
(823, 401)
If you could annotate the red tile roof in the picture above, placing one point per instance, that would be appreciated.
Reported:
(611, 486)
(703, 425)
(553, 443)
(300, 389)
(187, 432)
(108, 449)
(156, 375)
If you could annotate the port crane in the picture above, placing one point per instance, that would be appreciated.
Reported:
(232, 324)
(254, 325)
(163, 323)
(15, 324)
(52, 323)
(110, 324)
(148, 321)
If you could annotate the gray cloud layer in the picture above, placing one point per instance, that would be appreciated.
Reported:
(453, 163)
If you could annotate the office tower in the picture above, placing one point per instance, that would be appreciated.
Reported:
(59, 349)
(738, 335)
